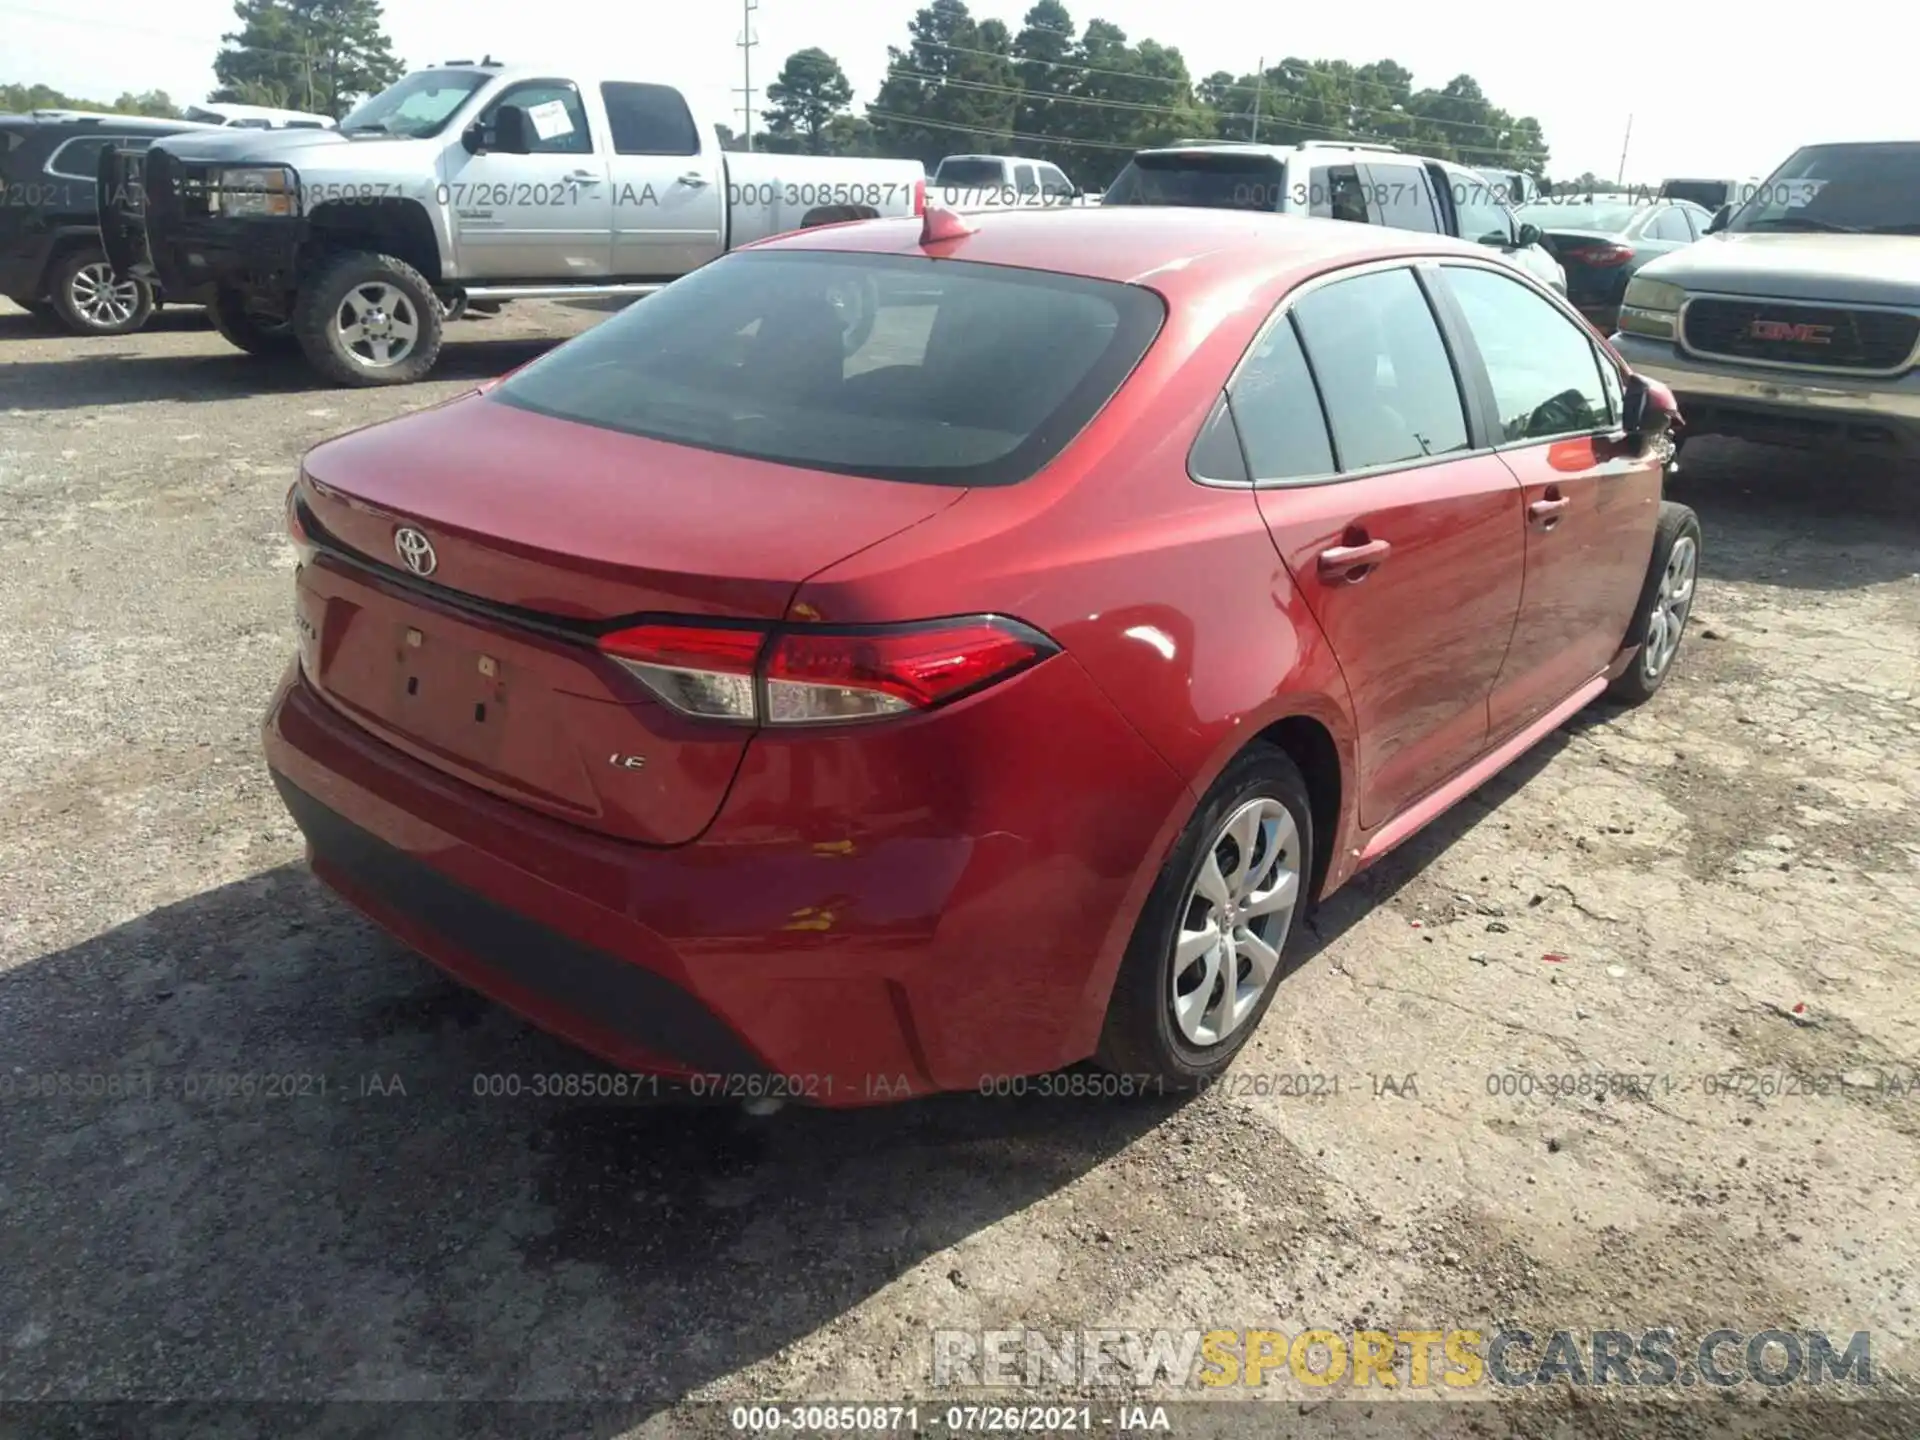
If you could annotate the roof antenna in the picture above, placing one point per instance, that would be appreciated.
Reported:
(940, 225)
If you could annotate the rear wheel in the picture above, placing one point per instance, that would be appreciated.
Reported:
(1666, 601)
(246, 331)
(366, 319)
(89, 298)
(1206, 956)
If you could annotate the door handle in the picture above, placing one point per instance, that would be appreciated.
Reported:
(1548, 511)
(1353, 563)
(693, 178)
(584, 175)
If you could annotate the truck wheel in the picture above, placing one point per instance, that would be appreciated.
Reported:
(249, 332)
(1666, 600)
(90, 299)
(366, 319)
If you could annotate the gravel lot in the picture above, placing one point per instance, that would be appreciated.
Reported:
(1729, 879)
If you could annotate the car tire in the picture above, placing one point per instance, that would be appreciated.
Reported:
(246, 331)
(365, 319)
(88, 298)
(1157, 1028)
(1665, 605)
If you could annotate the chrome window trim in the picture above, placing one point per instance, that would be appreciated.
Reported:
(113, 142)
(1284, 310)
(1790, 366)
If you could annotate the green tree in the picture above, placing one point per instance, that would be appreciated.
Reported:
(952, 89)
(811, 91)
(21, 98)
(1043, 53)
(319, 55)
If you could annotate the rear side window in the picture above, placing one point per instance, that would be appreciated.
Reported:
(1200, 180)
(1277, 410)
(1400, 192)
(898, 367)
(80, 159)
(649, 119)
(1383, 370)
(1546, 378)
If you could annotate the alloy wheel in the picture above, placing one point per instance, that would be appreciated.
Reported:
(378, 324)
(101, 297)
(1234, 928)
(1671, 602)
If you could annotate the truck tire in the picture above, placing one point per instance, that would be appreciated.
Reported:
(365, 319)
(88, 298)
(228, 312)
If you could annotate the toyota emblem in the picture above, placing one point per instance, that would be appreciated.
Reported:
(415, 550)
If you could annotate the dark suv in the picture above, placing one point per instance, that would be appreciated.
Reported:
(51, 261)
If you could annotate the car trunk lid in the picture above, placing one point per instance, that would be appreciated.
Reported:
(466, 558)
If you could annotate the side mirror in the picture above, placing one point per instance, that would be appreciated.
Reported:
(1648, 409)
(1720, 219)
(473, 139)
(1530, 234)
(511, 133)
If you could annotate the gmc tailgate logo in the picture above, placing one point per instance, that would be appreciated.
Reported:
(1786, 330)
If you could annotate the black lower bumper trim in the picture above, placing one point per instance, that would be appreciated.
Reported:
(608, 992)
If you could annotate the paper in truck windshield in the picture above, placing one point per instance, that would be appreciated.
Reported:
(550, 119)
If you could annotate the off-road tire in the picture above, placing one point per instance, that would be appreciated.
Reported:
(320, 301)
(248, 332)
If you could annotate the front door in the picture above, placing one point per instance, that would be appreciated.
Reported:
(541, 216)
(1592, 497)
(1407, 546)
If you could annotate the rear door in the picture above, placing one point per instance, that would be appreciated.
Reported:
(542, 215)
(669, 189)
(1404, 536)
(1591, 497)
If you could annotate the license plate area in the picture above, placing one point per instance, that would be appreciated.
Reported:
(452, 696)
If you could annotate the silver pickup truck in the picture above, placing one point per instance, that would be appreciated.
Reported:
(464, 185)
(1796, 320)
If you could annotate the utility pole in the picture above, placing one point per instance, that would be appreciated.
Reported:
(1259, 83)
(746, 43)
(1621, 178)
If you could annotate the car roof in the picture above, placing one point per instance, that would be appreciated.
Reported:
(90, 122)
(1174, 249)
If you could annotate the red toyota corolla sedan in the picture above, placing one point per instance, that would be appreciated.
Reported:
(896, 657)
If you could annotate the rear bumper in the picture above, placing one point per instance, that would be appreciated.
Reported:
(912, 959)
(1782, 406)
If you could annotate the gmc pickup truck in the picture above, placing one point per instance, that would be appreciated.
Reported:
(463, 185)
(1796, 320)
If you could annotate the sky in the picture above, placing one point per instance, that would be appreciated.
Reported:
(1707, 96)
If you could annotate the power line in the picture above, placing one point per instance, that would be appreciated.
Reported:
(914, 121)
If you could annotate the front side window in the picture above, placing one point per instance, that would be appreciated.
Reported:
(556, 118)
(1546, 379)
(1477, 203)
(1669, 224)
(970, 374)
(1054, 183)
(1023, 180)
(1383, 370)
(649, 119)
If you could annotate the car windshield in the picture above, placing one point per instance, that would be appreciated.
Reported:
(896, 367)
(1870, 188)
(417, 106)
(968, 172)
(1208, 181)
(1607, 217)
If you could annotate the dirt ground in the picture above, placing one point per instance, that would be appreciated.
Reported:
(1727, 880)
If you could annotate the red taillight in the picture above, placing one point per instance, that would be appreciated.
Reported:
(1601, 257)
(820, 675)
(920, 197)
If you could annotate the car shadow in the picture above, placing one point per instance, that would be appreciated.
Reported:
(255, 1148)
(109, 372)
(1801, 519)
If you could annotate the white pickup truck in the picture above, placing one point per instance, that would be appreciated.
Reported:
(463, 185)
(1000, 182)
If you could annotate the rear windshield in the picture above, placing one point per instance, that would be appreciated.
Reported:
(1201, 180)
(897, 367)
(968, 172)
